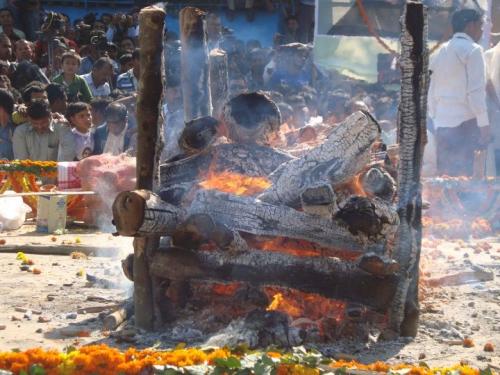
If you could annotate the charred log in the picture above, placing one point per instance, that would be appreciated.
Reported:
(145, 214)
(345, 152)
(198, 134)
(245, 214)
(194, 64)
(251, 118)
(319, 200)
(201, 229)
(371, 217)
(141, 212)
(378, 265)
(379, 183)
(329, 277)
(219, 80)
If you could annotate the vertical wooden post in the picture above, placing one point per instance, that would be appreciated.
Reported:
(194, 64)
(412, 137)
(219, 80)
(151, 22)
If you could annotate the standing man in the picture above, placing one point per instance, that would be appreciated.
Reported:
(457, 96)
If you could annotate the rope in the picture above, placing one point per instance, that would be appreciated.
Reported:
(376, 35)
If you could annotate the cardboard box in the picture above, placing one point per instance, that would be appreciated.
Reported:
(51, 213)
(67, 175)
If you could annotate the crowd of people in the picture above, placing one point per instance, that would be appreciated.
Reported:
(72, 93)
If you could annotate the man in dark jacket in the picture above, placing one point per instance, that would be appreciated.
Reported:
(114, 136)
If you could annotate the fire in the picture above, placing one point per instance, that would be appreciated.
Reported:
(235, 183)
(354, 186)
(226, 289)
(299, 304)
(300, 248)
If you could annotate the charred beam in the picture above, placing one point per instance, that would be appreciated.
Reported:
(246, 214)
(329, 277)
(345, 152)
(219, 79)
(194, 64)
(412, 138)
(151, 21)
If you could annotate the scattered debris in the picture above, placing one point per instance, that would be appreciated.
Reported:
(2, 242)
(71, 316)
(489, 347)
(78, 255)
(2, 327)
(44, 319)
(468, 343)
(37, 271)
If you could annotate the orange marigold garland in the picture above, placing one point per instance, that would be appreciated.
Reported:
(103, 360)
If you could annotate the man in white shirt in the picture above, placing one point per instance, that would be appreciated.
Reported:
(98, 78)
(457, 96)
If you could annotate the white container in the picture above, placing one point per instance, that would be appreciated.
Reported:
(51, 213)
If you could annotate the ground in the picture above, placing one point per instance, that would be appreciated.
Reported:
(461, 299)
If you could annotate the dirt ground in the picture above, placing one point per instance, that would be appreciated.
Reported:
(65, 304)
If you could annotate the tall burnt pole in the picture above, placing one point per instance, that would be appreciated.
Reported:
(195, 79)
(412, 137)
(151, 23)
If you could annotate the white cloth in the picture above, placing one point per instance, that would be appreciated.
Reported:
(115, 143)
(458, 83)
(84, 144)
(103, 90)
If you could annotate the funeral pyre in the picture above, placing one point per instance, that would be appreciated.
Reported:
(299, 245)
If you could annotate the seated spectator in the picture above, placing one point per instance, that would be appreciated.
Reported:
(6, 125)
(80, 119)
(128, 82)
(98, 110)
(58, 100)
(97, 80)
(126, 62)
(292, 34)
(97, 48)
(5, 47)
(291, 67)
(127, 45)
(23, 50)
(112, 137)
(118, 28)
(76, 87)
(26, 72)
(7, 26)
(42, 137)
(34, 90)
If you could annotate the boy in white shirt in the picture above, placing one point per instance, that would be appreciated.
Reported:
(80, 118)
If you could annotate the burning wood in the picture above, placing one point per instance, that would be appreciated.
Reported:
(306, 235)
(330, 277)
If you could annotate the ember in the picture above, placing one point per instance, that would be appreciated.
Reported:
(235, 183)
(297, 247)
(298, 304)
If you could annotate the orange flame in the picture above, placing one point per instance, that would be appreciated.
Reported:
(295, 247)
(235, 183)
(354, 186)
(299, 304)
